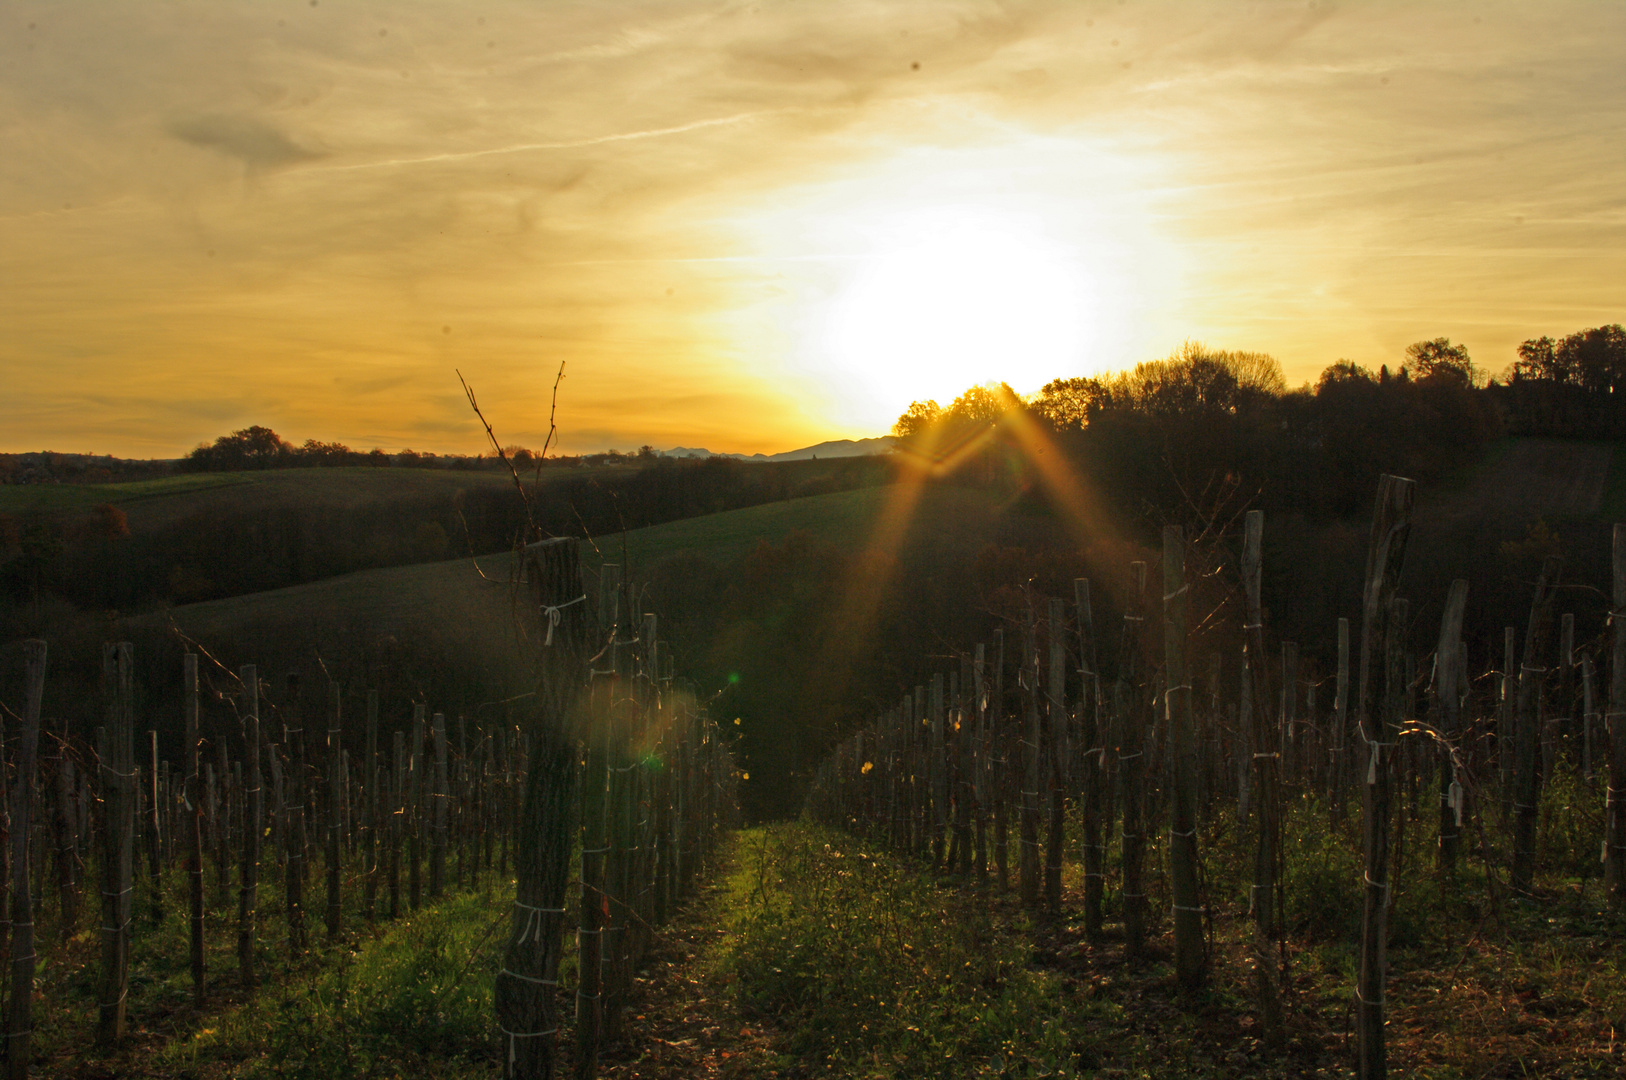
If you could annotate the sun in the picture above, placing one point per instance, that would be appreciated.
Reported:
(954, 296)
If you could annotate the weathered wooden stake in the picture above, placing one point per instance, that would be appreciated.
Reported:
(1028, 863)
(1129, 703)
(1614, 843)
(372, 803)
(1057, 744)
(1532, 676)
(117, 755)
(438, 799)
(1448, 670)
(1382, 627)
(19, 1031)
(1190, 954)
(193, 821)
(335, 810)
(253, 818)
(414, 809)
(1091, 761)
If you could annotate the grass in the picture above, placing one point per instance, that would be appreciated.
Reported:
(422, 598)
(1612, 506)
(61, 498)
(153, 503)
(414, 1000)
(845, 520)
(842, 518)
(861, 964)
(407, 998)
(873, 971)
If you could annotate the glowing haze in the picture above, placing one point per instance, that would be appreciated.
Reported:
(753, 226)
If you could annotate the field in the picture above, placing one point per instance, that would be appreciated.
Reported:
(152, 503)
(407, 599)
(760, 977)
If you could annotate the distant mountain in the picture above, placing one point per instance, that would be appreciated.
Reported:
(835, 448)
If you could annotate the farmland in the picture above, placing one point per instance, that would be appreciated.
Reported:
(758, 603)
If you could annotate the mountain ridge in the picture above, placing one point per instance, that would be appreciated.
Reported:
(831, 448)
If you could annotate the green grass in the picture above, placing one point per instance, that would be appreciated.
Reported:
(414, 1001)
(407, 998)
(1612, 506)
(153, 503)
(66, 498)
(428, 596)
(842, 518)
(874, 971)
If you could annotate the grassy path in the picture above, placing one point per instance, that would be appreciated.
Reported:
(682, 1019)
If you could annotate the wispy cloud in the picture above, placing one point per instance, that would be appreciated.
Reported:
(568, 144)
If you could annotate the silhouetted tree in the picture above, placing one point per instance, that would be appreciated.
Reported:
(1439, 359)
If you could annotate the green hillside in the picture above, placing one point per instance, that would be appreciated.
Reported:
(151, 503)
(398, 600)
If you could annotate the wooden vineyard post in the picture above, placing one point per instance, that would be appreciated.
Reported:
(1129, 704)
(371, 804)
(526, 990)
(20, 1028)
(66, 820)
(1447, 679)
(414, 809)
(117, 754)
(438, 799)
(1589, 718)
(253, 816)
(1057, 743)
(1001, 769)
(1557, 733)
(1190, 961)
(1614, 842)
(460, 801)
(1028, 864)
(1264, 789)
(937, 771)
(293, 821)
(1526, 783)
(979, 777)
(595, 793)
(1506, 737)
(153, 834)
(1091, 762)
(1382, 626)
(1289, 763)
(193, 821)
(1338, 763)
(335, 810)
(397, 820)
(963, 764)
(220, 807)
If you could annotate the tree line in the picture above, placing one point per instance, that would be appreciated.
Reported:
(1165, 431)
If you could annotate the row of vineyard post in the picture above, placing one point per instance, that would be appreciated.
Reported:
(1023, 725)
(441, 805)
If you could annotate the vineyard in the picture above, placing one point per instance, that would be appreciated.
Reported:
(1171, 844)
(1206, 811)
(144, 896)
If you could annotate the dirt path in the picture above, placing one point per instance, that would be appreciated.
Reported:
(681, 1021)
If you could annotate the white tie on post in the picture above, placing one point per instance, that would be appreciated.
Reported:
(551, 613)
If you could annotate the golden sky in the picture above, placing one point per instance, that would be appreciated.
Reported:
(754, 226)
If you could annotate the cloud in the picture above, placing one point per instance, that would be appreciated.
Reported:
(253, 141)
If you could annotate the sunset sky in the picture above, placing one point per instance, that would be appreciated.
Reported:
(755, 226)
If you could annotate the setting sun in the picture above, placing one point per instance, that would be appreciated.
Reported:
(956, 296)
